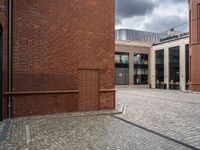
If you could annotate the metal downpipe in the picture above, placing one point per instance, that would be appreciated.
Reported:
(10, 57)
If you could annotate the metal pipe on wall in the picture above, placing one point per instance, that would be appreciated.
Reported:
(2, 9)
(10, 57)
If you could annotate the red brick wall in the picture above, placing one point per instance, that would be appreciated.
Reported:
(52, 40)
(194, 45)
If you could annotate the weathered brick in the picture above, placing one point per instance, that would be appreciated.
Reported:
(52, 41)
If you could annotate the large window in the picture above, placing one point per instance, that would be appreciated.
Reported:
(121, 68)
(187, 66)
(174, 68)
(140, 68)
(117, 59)
(124, 59)
(160, 69)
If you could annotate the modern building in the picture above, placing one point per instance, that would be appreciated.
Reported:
(135, 35)
(163, 64)
(132, 62)
(194, 19)
(132, 56)
(56, 56)
(170, 64)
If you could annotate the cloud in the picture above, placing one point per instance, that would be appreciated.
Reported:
(156, 16)
(172, 1)
(160, 25)
(167, 16)
(129, 8)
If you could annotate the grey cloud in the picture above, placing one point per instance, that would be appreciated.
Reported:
(151, 15)
(129, 8)
(160, 25)
(172, 1)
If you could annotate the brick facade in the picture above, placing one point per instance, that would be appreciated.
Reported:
(194, 44)
(61, 50)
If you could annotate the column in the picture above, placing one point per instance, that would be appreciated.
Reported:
(152, 68)
(166, 66)
(182, 67)
(131, 68)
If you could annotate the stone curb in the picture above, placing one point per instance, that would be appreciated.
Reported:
(191, 92)
(119, 110)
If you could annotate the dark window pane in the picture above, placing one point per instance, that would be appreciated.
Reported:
(174, 67)
(159, 68)
(121, 68)
(140, 68)
(187, 65)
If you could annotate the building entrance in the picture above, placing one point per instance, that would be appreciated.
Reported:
(121, 68)
(140, 69)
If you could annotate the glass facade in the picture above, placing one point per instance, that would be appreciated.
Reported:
(160, 69)
(174, 68)
(140, 68)
(117, 59)
(121, 68)
(187, 66)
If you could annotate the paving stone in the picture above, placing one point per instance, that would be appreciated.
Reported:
(172, 113)
(153, 120)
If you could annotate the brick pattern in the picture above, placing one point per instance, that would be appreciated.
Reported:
(51, 41)
(46, 104)
(75, 132)
(194, 45)
(88, 90)
(174, 114)
(106, 100)
(152, 119)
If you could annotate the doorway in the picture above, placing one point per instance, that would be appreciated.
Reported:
(88, 90)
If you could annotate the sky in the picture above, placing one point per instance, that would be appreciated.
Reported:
(152, 15)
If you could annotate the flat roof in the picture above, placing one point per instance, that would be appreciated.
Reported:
(133, 43)
(171, 40)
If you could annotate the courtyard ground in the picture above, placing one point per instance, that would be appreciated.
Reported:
(150, 119)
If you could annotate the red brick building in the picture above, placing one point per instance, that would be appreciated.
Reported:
(194, 44)
(58, 56)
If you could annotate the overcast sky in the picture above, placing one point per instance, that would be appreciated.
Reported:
(151, 15)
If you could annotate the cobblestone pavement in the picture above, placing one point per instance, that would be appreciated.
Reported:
(151, 120)
(174, 114)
